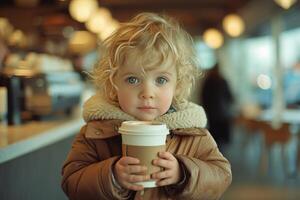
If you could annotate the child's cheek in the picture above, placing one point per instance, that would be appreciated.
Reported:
(166, 101)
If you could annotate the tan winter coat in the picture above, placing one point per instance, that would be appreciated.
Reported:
(87, 172)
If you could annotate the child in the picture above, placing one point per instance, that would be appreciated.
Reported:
(145, 73)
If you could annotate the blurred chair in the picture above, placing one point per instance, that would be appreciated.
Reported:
(251, 139)
(272, 136)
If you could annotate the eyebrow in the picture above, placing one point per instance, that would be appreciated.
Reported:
(164, 71)
(126, 74)
(167, 73)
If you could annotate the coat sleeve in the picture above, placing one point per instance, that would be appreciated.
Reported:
(208, 171)
(85, 176)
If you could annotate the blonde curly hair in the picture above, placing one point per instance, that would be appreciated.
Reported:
(147, 33)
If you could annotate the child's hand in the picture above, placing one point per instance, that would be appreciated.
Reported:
(126, 172)
(171, 173)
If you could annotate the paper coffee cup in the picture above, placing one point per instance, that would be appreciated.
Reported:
(143, 140)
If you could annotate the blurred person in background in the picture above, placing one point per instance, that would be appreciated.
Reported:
(217, 101)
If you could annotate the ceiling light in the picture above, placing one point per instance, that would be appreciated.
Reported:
(99, 20)
(286, 4)
(109, 29)
(81, 10)
(233, 25)
(213, 38)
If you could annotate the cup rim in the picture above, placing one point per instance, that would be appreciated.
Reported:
(144, 127)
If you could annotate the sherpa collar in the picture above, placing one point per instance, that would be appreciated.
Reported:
(191, 116)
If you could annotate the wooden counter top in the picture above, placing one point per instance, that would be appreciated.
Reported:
(22, 139)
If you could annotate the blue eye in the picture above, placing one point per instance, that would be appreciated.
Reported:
(161, 80)
(132, 80)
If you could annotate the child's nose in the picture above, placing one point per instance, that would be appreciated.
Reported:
(147, 96)
(147, 92)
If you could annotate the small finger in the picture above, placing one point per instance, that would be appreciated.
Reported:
(126, 160)
(137, 178)
(130, 169)
(166, 155)
(164, 182)
(162, 163)
(161, 175)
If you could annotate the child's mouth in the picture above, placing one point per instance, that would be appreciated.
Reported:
(146, 108)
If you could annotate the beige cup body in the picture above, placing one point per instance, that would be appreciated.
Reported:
(146, 154)
(143, 140)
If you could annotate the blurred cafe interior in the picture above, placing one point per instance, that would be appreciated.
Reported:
(47, 46)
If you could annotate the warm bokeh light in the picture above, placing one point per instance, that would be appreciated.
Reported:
(286, 4)
(6, 29)
(250, 110)
(264, 82)
(109, 29)
(98, 20)
(82, 42)
(213, 38)
(18, 38)
(233, 25)
(81, 10)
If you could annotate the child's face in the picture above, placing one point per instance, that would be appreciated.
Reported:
(148, 95)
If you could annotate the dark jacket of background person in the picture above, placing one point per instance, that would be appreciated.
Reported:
(217, 100)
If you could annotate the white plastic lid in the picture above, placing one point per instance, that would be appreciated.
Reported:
(144, 128)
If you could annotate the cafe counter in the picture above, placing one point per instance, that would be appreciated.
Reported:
(19, 140)
(31, 157)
